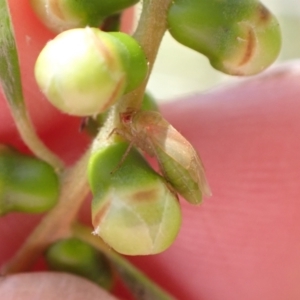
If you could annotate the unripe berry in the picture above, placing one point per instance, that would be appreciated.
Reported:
(84, 71)
(92, 124)
(133, 209)
(238, 37)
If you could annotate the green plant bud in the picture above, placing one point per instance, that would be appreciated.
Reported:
(238, 37)
(133, 209)
(135, 60)
(81, 71)
(74, 256)
(91, 125)
(26, 183)
(149, 103)
(60, 15)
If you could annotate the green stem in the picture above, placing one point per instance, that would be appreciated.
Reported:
(31, 139)
(149, 33)
(57, 223)
(141, 286)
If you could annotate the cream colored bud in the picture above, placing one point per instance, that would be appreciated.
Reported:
(81, 71)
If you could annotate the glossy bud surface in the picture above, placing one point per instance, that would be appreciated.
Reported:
(133, 210)
(238, 37)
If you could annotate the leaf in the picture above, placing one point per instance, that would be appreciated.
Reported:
(9, 64)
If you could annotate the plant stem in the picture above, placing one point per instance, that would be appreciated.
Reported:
(149, 33)
(57, 223)
(137, 282)
(31, 139)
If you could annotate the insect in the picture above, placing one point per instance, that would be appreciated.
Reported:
(177, 158)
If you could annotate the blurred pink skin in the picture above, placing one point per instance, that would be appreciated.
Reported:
(243, 242)
(20, 287)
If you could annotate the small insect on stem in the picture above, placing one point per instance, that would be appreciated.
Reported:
(177, 158)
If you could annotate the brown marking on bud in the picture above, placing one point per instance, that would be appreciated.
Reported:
(115, 92)
(142, 195)
(250, 47)
(97, 217)
(56, 10)
(263, 13)
(102, 48)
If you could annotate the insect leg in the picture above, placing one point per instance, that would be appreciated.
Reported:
(123, 158)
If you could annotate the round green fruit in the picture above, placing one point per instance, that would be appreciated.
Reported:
(84, 71)
(239, 37)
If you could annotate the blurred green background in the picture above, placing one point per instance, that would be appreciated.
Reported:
(181, 71)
